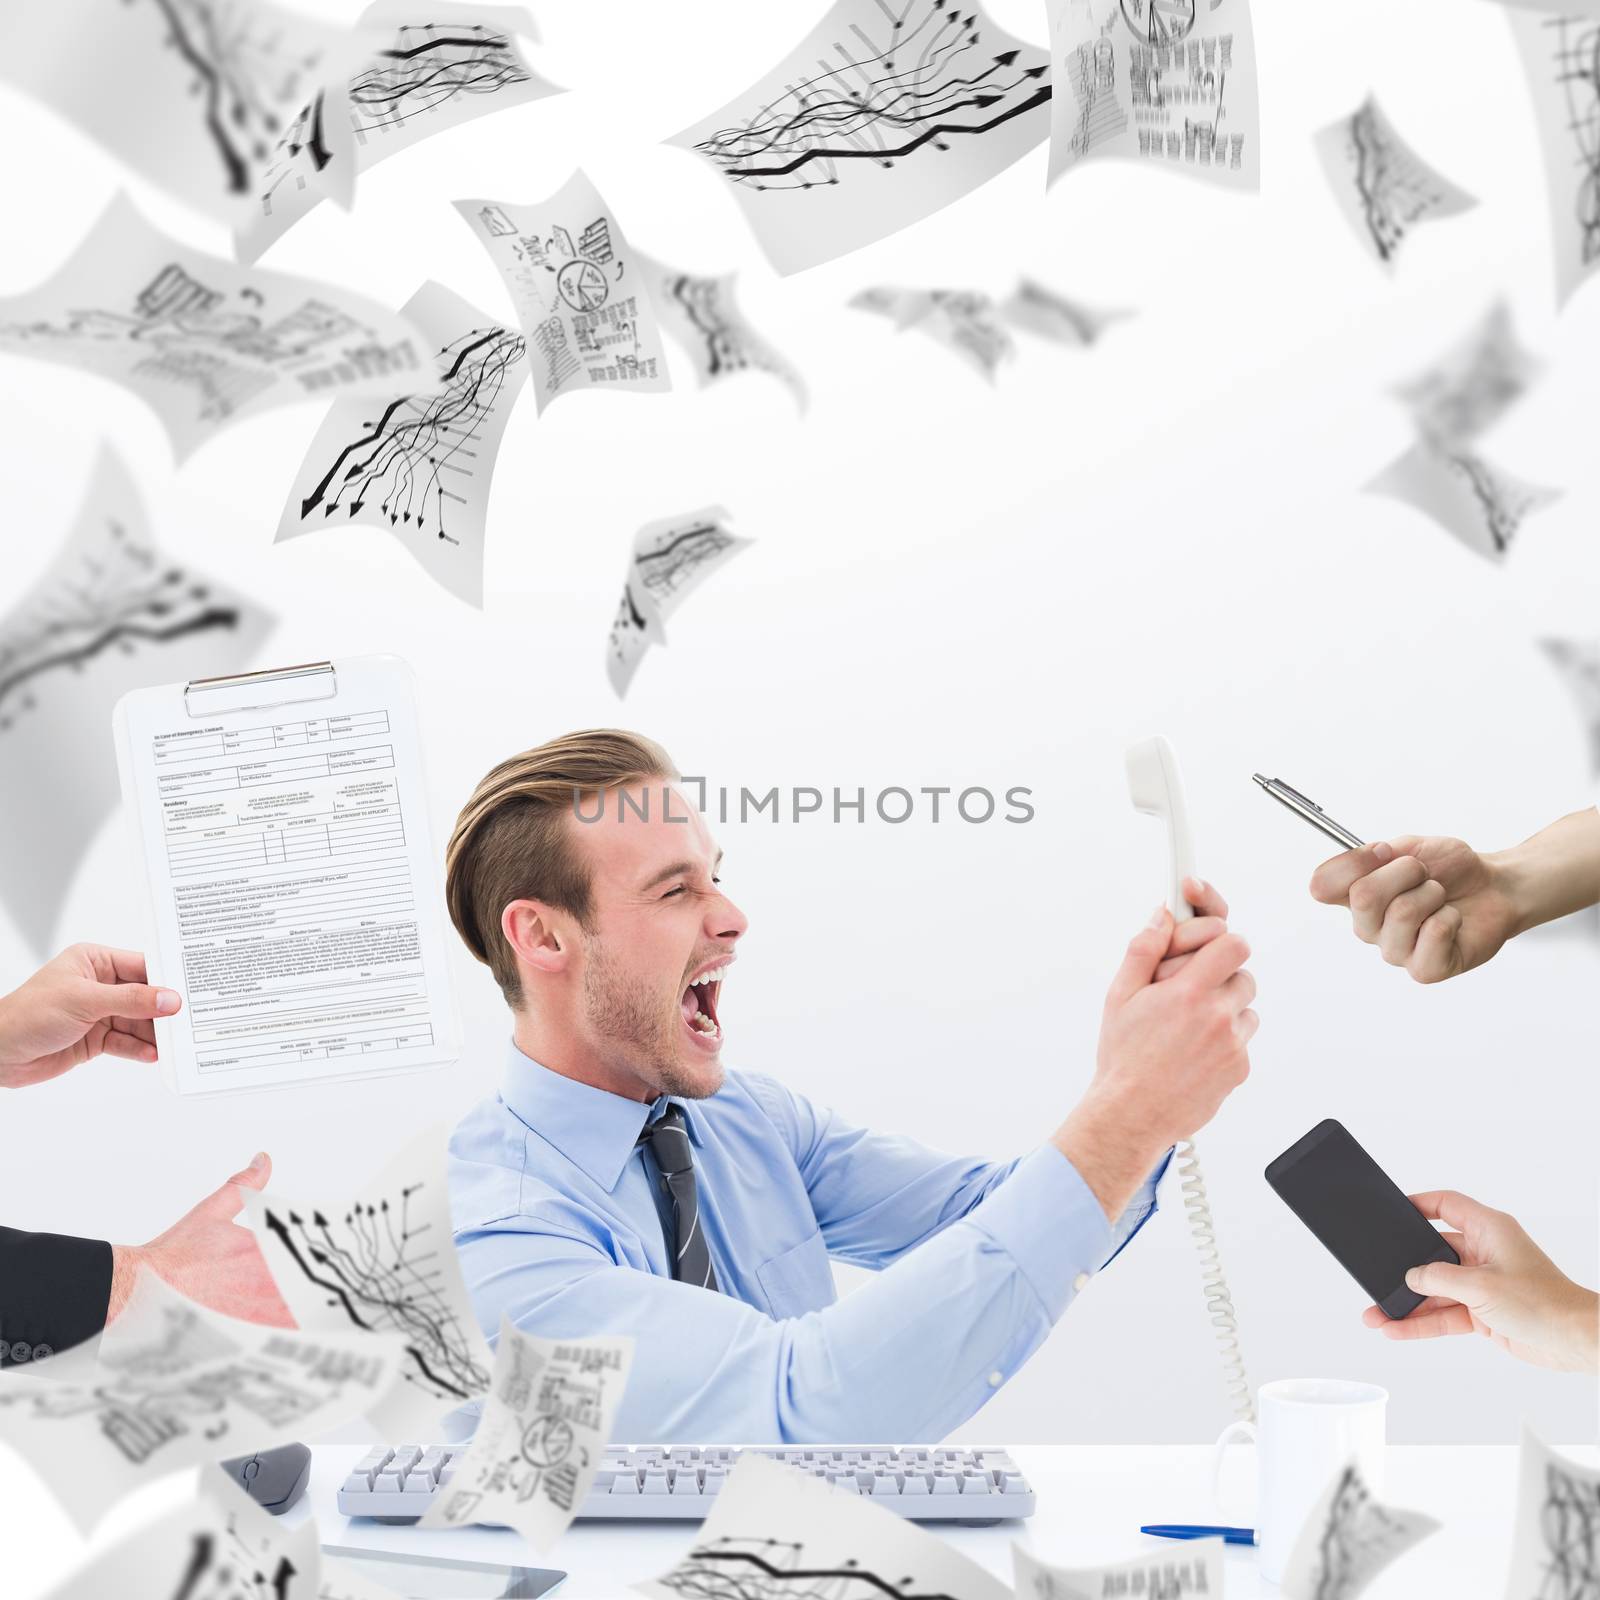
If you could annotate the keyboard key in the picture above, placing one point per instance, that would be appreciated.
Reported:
(943, 1483)
(715, 1478)
(625, 1483)
(916, 1483)
(974, 1483)
(686, 1480)
(406, 1456)
(389, 1483)
(655, 1481)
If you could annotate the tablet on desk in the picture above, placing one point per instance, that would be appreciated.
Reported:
(438, 1578)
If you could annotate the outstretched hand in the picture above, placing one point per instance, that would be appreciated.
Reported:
(90, 1000)
(1505, 1288)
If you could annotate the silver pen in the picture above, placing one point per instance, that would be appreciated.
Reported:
(1304, 806)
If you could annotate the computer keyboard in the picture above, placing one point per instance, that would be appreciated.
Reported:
(680, 1482)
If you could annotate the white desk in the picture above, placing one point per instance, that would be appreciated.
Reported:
(1092, 1499)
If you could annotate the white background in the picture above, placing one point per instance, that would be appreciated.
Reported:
(958, 585)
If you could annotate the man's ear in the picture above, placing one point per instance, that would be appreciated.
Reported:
(530, 929)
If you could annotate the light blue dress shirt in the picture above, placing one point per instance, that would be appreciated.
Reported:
(557, 1227)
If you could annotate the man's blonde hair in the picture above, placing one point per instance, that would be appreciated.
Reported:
(513, 840)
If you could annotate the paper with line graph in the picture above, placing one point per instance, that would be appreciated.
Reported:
(421, 465)
(1560, 49)
(427, 68)
(778, 1533)
(1167, 83)
(671, 559)
(381, 1259)
(294, 888)
(1383, 187)
(541, 1438)
(885, 112)
(112, 611)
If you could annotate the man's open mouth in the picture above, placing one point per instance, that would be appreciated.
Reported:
(699, 1002)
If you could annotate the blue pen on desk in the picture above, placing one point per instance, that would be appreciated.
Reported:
(1184, 1530)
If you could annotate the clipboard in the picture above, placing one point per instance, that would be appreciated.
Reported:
(293, 892)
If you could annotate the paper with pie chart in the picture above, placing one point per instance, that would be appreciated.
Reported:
(580, 289)
(541, 1438)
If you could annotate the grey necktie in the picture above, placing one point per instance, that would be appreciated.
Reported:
(667, 1140)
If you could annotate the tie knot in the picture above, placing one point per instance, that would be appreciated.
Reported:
(668, 1138)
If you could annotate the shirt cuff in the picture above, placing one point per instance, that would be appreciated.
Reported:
(1046, 1218)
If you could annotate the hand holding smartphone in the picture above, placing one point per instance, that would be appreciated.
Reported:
(1359, 1213)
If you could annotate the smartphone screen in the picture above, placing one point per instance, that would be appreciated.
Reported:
(1362, 1218)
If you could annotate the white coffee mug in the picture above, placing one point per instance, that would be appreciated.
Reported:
(1307, 1429)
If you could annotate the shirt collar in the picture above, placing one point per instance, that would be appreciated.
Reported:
(593, 1128)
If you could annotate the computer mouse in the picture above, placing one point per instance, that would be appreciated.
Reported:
(274, 1479)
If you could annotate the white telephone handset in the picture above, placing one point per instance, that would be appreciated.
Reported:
(1155, 785)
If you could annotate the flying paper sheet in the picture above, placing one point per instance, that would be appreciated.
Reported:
(1469, 388)
(1566, 8)
(1561, 57)
(1481, 504)
(887, 111)
(962, 320)
(202, 341)
(1347, 1539)
(421, 465)
(671, 559)
(1555, 1554)
(1161, 1575)
(1166, 81)
(382, 1260)
(903, 307)
(1578, 662)
(968, 323)
(782, 1534)
(1384, 188)
(111, 613)
(578, 288)
(218, 1546)
(172, 1385)
(195, 95)
(703, 315)
(418, 78)
(541, 1437)
(1041, 311)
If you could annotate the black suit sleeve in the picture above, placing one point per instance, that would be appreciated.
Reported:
(53, 1292)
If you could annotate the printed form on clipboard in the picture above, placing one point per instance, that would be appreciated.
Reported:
(294, 887)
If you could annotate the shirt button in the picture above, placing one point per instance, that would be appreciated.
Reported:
(996, 1378)
(1080, 1283)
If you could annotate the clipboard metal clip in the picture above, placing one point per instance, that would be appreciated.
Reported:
(261, 691)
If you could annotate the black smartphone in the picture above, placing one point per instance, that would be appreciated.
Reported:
(1359, 1213)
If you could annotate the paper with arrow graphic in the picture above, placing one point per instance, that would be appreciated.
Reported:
(421, 465)
(427, 68)
(198, 96)
(887, 111)
(382, 1260)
